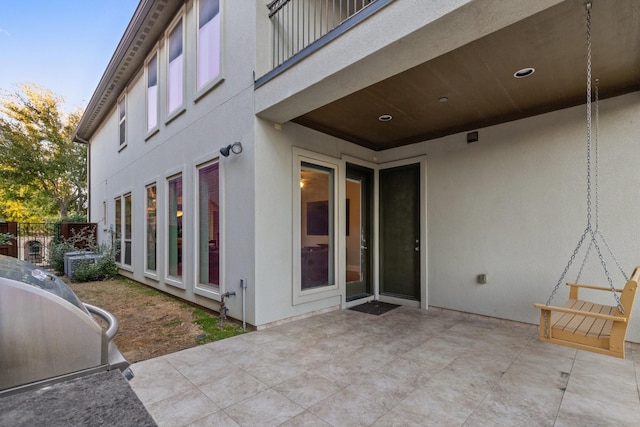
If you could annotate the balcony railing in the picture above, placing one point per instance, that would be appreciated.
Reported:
(299, 23)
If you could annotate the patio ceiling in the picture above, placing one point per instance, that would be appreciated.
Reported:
(478, 80)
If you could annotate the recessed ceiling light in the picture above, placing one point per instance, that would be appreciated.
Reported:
(443, 99)
(525, 72)
(385, 117)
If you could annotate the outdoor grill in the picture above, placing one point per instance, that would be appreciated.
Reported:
(47, 335)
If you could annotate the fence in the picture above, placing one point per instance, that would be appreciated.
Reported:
(33, 240)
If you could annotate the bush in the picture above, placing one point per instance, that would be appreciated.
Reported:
(5, 239)
(86, 270)
(89, 271)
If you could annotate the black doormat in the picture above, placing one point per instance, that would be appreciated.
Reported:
(374, 307)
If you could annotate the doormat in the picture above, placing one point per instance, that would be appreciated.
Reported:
(374, 307)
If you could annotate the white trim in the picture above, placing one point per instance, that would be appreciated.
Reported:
(178, 282)
(122, 99)
(211, 84)
(150, 132)
(337, 165)
(179, 109)
(203, 289)
(152, 274)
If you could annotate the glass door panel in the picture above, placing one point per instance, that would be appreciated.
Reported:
(358, 220)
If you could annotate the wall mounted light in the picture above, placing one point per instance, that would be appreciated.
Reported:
(235, 148)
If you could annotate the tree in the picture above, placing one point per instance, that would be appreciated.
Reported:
(39, 160)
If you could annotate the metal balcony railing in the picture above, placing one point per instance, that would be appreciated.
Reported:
(299, 23)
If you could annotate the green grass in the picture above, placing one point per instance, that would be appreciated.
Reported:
(211, 327)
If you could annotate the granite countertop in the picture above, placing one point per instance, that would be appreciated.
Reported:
(104, 398)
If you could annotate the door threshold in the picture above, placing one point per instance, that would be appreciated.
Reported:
(361, 299)
(399, 300)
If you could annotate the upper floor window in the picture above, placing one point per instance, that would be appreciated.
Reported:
(175, 78)
(152, 92)
(208, 42)
(122, 118)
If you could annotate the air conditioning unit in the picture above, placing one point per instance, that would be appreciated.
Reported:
(77, 261)
(70, 255)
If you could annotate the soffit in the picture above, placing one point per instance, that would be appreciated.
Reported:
(478, 78)
(144, 30)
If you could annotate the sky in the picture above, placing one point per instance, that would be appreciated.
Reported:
(61, 45)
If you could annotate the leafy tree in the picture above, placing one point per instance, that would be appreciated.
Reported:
(39, 162)
(23, 204)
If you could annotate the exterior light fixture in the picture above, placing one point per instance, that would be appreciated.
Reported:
(385, 117)
(235, 148)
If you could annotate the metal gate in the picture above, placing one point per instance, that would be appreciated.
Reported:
(33, 240)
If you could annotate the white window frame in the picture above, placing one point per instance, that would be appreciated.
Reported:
(151, 273)
(120, 237)
(201, 289)
(179, 108)
(122, 120)
(176, 281)
(202, 88)
(126, 239)
(150, 105)
(336, 165)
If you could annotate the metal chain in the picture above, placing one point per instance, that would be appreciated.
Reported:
(597, 145)
(566, 269)
(589, 230)
(597, 160)
(584, 262)
(588, 115)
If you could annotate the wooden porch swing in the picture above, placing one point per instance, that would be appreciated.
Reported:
(581, 324)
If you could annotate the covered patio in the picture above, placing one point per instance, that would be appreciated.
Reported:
(407, 367)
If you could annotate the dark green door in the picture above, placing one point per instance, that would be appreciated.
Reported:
(400, 232)
(358, 231)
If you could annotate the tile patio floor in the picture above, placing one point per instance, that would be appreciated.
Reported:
(405, 368)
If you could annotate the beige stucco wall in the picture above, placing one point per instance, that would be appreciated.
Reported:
(512, 205)
(210, 121)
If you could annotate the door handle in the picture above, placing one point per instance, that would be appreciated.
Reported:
(364, 248)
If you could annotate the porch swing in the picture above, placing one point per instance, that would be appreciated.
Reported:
(578, 323)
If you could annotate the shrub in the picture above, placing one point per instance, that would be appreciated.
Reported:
(5, 239)
(85, 270)
(89, 271)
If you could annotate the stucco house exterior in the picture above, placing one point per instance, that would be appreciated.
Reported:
(395, 150)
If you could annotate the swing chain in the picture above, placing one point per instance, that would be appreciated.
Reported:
(589, 229)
